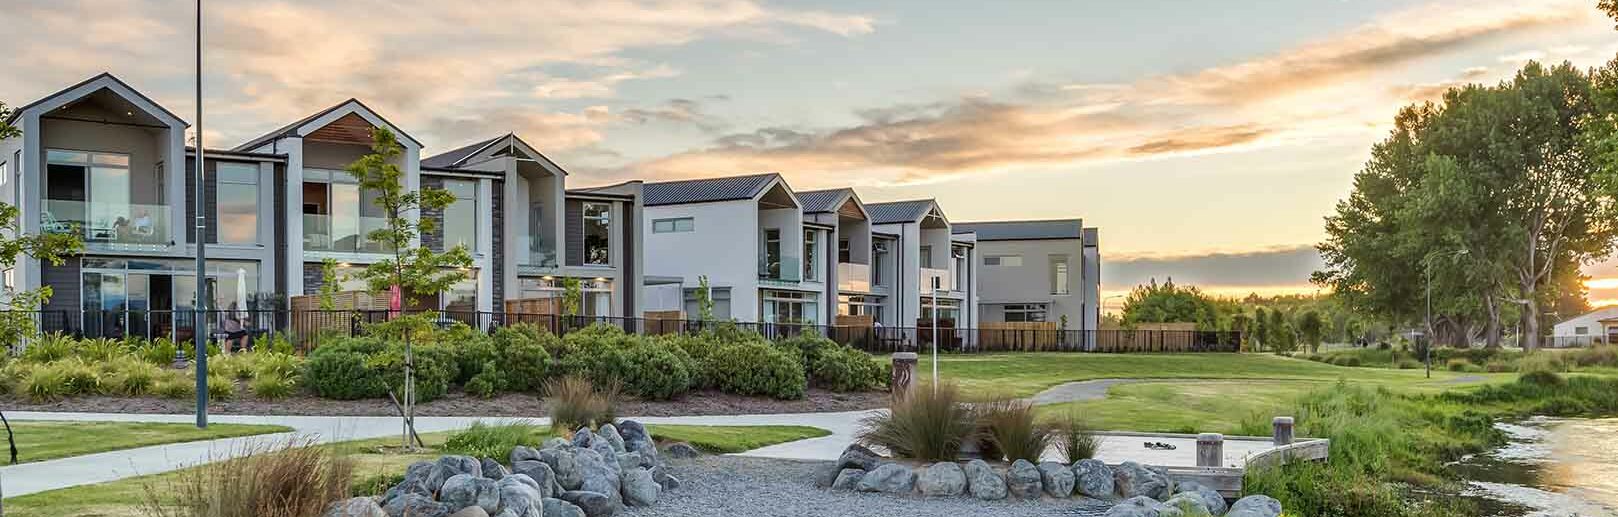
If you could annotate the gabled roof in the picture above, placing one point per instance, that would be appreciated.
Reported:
(98, 77)
(707, 190)
(291, 129)
(464, 156)
(818, 201)
(450, 159)
(1022, 230)
(900, 211)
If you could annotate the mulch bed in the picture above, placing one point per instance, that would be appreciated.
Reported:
(458, 404)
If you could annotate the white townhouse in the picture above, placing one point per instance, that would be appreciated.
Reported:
(1038, 271)
(748, 236)
(860, 280)
(934, 267)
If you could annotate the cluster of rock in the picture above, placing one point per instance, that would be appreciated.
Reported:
(1144, 491)
(596, 474)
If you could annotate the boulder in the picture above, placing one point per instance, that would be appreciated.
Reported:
(493, 469)
(984, 482)
(415, 505)
(1132, 479)
(471, 511)
(683, 450)
(415, 480)
(450, 466)
(553, 507)
(599, 476)
(609, 457)
(544, 478)
(629, 460)
(556, 442)
(847, 479)
(594, 504)
(356, 507)
(889, 478)
(609, 433)
(639, 489)
(1141, 506)
(664, 479)
(1023, 480)
(1057, 478)
(518, 495)
(1093, 478)
(1210, 498)
(1255, 506)
(942, 479)
(520, 453)
(583, 438)
(1188, 504)
(463, 490)
(565, 464)
(858, 457)
(507, 513)
(636, 439)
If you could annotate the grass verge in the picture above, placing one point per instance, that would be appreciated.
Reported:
(48, 440)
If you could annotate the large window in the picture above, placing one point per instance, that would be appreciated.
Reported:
(676, 225)
(597, 234)
(789, 307)
(337, 215)
(1059, 274)
(926, 256)
(595, 294)
(879, 260)
(771, 254)
(1028, 312)
(237, 207)
(948, 309)
(811, 255)
(461, 216)
(860, 305)
(94, 191)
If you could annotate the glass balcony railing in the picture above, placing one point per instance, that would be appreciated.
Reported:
(323, 232)
(780, 269)
(853, 277)
(109, 223)
(533, 251)
(945, 279)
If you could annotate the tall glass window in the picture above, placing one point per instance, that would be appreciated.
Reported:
(926, 256)
(461, 216)
(1059, 274)
(337, 215)
(597, 234)
(879, 260)
(772, 253)
(811, 256)
(237, 207)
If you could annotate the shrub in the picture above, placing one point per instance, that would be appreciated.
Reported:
(1009, 424)
(472, 357)
(573, 403)
(235, 366)
(756, 369)
(221, 387)
(293, 479)
(1541, 378)
(1073, 438)
(272, 386)
(12, 375)
(45, 384)
(1459, 364)
(175, 386)
(277, 364)
(1541, 362)
(655, 372)
(101, 350)
(134, 379)
(694, 349)
(275, 343)
(1409, 364)
(50, 348)
(487, 383)
(1350, 361)
(342, 375)
(1598, 355)
(435, 368)
(158, 351)
(843, 368)
(928, 425)
(1498, 366)
(492, 441)
(525, 358)
(79, 377)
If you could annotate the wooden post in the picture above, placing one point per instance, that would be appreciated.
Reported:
(1283, 430)
(1210, 450)
(904, 373)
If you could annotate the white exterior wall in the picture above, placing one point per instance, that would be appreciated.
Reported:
(904, 295)
(1590, 321)
(723, 245)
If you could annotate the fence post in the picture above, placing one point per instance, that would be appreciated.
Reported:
(1282, 430)
(904, 373)
(1210, 449)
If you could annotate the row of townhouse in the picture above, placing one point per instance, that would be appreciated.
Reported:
(106, 161)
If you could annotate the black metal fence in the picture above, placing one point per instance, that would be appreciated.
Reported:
(306, 329)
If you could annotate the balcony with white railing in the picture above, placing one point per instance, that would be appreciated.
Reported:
(342, 234)
(853, 277)
(946, 280)
(780, 270)
(120, 226)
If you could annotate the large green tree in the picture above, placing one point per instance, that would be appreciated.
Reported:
(1169, 303)
(16, 321)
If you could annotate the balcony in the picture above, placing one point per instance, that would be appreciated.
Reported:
(780, 270)
(342, 234)
(535, 256)
(109, 225)
(853, 277)
(946, 280)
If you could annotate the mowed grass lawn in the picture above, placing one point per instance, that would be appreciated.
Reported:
(373, 458)
(48, 440)
(1198, 406)
(982, 376)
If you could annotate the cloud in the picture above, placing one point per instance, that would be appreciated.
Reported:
(272, 61)
(677, 111)
(1297, 93)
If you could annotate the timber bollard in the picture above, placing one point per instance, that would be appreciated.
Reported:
(1283, 430)
(1210, 449)
(904, 373)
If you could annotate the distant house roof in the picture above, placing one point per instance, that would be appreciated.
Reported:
(288, 129)
(1023, 230)
(707, 190)
(454, 157)
(899, 211)
(817, 201)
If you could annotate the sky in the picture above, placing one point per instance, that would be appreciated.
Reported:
(1206, 140)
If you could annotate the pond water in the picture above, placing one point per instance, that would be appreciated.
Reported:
(1550, 468)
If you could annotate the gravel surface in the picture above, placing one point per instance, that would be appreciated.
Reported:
(458, 404)
(733, 485)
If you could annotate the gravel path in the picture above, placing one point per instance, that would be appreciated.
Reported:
(760, 487)
(1077, 391)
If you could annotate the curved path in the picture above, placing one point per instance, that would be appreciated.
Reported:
(1094, 389)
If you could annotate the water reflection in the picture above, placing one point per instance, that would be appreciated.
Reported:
(1550, 468)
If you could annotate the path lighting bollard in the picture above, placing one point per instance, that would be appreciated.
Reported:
(1210, 449)
(904, 373)
(1283, 430)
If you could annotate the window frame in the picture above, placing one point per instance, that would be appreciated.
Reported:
(604, 217)
(220, 182)
(673, 225)
(1060, 277)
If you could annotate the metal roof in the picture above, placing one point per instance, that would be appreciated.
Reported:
(707, 190)
(290, 128)
(450, 158)
(1023, 230)
(899, 211)
(817, 201)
